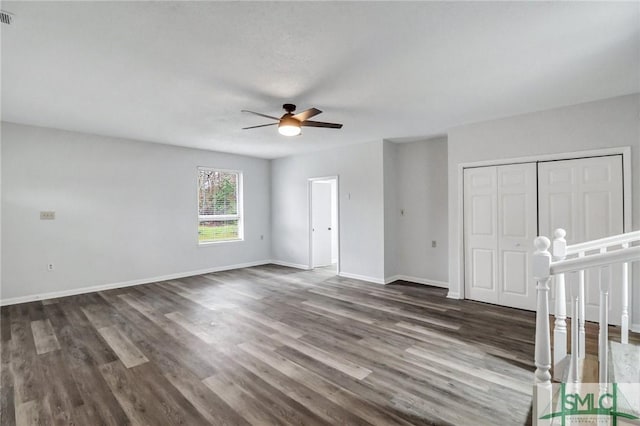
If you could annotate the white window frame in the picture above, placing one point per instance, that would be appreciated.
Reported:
(239, 216)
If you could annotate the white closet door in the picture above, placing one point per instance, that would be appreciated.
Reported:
(517, 228)
(481, 234)
(500, 221)
(584, 196)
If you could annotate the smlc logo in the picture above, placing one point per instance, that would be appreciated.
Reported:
(589, 403)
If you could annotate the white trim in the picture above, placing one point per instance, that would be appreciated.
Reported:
(209, 243)
(290, 265)
(102, 287)
(417, 280)
(453, 295)
(310, 218)
(361, 278)
(394, 278)
(625, 151)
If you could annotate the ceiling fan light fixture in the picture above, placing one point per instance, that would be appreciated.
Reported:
(289, 126)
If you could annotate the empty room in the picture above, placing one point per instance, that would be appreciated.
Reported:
(319, 213)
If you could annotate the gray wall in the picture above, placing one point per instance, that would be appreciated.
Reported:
(611, 122)
(391, 185)
(422, 194)
(360, 171)
(125, 211)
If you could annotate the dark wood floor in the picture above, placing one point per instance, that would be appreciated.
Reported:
(266, 345)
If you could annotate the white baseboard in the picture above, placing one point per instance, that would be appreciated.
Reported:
(101, 287)
(361, 277)
(425, 281)
(290, 265)
(389, 280)
(453, 295)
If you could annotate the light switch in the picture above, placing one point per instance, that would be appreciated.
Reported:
(47, 215)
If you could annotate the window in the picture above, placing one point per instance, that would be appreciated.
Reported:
(219, 205)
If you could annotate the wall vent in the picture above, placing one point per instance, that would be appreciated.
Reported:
(6, 17)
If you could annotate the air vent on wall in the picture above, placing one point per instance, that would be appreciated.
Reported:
(6, 17)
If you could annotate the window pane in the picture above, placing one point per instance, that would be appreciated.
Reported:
(218, 193)
(218, 230)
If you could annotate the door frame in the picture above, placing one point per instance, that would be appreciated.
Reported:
(310, 218)
(627, 200)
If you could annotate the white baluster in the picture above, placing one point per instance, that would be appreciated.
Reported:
(542, 389)
(582, 350)
(603, 336)
(624, 332)
(560, 326)
(574, 294)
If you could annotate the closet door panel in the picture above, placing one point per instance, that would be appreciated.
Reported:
(480, 234)
(517, 218)
(585, 197)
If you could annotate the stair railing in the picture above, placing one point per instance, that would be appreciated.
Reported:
(575, 259)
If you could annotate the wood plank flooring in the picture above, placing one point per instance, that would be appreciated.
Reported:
(265, 346)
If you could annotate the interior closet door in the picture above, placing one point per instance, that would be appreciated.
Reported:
(500, 217)
(517, 228)
(585, 197)
(481, 235)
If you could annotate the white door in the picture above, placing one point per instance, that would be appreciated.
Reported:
(321, 223)
(517, 228)
(480, 234)
(585, 197)
(500, 218)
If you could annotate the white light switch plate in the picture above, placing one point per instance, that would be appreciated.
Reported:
(47, 215)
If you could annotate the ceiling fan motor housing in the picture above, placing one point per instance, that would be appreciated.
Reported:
(288, 120)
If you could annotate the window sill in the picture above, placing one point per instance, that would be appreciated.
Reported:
(209, 243)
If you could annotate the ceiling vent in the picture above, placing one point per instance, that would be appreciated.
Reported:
(6, 17)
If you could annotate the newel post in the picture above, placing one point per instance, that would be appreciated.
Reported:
(541, 273)
(559, 250)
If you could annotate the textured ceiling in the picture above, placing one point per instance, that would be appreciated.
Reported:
(180, 72)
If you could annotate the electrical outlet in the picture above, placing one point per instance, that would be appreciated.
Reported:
(433, 244)
(49, 215)
(50, 267)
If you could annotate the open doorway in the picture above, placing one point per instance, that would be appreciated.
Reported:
(324, 245)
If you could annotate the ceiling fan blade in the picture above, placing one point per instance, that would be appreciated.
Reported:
(261, 115)
(262, 125)
(321, 124)
(305, 115)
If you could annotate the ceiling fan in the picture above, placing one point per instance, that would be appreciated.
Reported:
(290, 124)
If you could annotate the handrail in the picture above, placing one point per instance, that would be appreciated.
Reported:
(546, 266)
(604, 242)
(593, 261)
